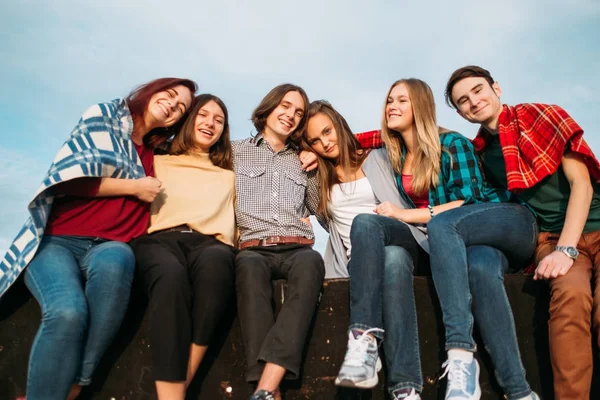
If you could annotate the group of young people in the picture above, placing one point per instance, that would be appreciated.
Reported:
(152, 186)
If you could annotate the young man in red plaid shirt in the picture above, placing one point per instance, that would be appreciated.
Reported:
(537, 152)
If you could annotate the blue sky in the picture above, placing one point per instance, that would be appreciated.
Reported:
(59, 57)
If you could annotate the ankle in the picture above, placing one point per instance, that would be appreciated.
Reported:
(460, 354)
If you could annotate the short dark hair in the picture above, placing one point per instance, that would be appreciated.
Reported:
(470, 71)
(272, 100)
(138, 100)
(220, 153)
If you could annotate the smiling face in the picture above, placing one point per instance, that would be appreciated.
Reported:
(477, 101)
(286, 117)
(322, 137)
(208, 126)
(167, 107)
(398, 110)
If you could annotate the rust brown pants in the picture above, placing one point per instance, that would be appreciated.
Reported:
(574, 312)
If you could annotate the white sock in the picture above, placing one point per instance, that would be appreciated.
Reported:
(459, 354)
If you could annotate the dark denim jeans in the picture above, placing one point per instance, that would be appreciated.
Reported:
(82, 285)
(381, 266)
(471, 248)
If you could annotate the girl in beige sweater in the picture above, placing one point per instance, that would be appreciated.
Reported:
(186, 262)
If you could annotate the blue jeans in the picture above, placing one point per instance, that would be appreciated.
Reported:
(82, 285)
(384, 254)
(471, 248)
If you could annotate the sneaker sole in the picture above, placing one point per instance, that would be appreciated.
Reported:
(366, 384)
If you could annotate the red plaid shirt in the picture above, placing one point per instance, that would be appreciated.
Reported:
(534, 138)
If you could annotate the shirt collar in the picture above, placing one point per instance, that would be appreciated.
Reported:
(258, 139)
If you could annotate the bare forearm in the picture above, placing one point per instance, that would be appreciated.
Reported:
(113, 187)
(577, 212)
(422, 215)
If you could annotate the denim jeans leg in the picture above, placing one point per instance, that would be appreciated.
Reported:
(494, 318)
(511, 228)
(108, 268)
(369, 235)
(401, 339)
(54, 279)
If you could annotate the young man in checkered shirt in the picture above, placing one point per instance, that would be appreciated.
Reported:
(274, 196)
(537, 152)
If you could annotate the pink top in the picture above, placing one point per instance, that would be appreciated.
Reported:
(421, 201)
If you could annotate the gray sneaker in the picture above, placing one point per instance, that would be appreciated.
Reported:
(361, 363)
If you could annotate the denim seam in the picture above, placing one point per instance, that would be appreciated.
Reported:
(404, 385)
(458, 345)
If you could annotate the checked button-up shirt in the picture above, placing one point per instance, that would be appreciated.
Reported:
(273, 193)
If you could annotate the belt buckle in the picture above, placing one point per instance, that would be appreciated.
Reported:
(188, 230)
(263, 242)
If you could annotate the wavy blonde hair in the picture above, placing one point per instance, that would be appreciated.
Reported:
(427, 152)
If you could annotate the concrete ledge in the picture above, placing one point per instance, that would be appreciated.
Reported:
(126, 371)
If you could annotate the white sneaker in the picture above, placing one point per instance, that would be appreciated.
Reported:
(361, 363)
(463, 380)
(405, 394)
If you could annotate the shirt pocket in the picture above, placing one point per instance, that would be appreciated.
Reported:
(250, 182)
(294, 189)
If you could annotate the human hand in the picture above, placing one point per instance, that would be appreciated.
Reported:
(308, 159)
(553, 265)
(147, 188)
(387, 209)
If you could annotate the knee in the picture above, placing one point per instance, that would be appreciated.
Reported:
(364, 225)
(312, 268)
(398, 264)
(441, 222)
(68, 319)
(486, 264)
(571, 299)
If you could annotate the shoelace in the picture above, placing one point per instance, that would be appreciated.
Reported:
(457, 374)
(357, 348)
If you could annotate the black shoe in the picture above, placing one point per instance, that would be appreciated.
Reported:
(262, 395)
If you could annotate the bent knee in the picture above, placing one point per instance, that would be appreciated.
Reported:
(67, 319)
(364, 224)
(486, 263)
(571, 298)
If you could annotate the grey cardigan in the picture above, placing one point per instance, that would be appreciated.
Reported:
(379, 172)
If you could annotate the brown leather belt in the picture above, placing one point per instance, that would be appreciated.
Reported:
(275, 240)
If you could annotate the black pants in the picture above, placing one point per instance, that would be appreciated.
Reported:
(265, 339)
(189, 278)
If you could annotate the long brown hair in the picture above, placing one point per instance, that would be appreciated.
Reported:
(427, 152)
(270, 103)
(184, 143)
(138, 100)
(351, 155)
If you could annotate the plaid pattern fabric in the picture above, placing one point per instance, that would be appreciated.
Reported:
(534, 138)
(273, 193)
(370, 139)
(99, 145)
(460, 173)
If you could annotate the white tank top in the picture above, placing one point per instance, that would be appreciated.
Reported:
(348, 199)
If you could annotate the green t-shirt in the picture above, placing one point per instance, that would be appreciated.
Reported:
(549, 198)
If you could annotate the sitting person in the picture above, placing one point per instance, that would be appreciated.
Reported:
(186, 262)
(467, 263)
(274, 197)
(537, 151)
(352, 182)
(95, 198)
